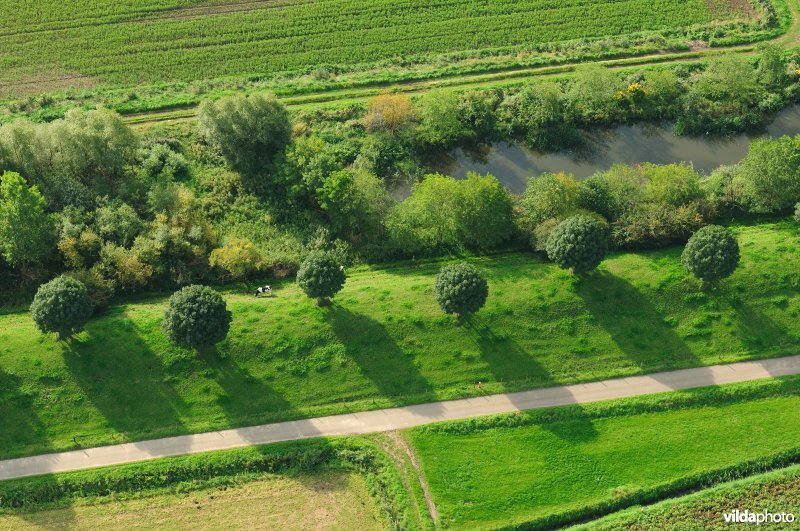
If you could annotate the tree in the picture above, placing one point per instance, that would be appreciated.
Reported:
(62, 305)
(440, 115)
(250, 131)
(551, 195)
(460, 289)
(578, 243)
(671, 184)
(711, 254)
(769, 176)
(321, 277)
(26, 230)
(595, 196)
(197, 317)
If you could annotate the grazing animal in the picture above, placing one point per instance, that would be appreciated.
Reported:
(263, 290)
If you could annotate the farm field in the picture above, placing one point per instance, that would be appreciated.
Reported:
(546, 469)
(385, 342)
(164, 53)
(323, 500)
(776, 492)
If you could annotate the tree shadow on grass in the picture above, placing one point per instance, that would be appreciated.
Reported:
(508, 361)
(633, 323)
(247, 400)
(378, 356)
(757, 331)
(125, 381)
(20, 427)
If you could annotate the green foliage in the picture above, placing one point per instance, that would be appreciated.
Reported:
(250, 131)
(357, 204)
(538, 112)
(440, 116)
(26, 230)
(159, 161)
(591, 94)
(655, 225)
(671, 184)
(711, 254)
(578, 243)
(62, 306)
(594, 195)
(321, 276)
(118, 222)
(551, 195)
(71, 160)
(461, 289)
(239, 257)
(443, 213)
(197, 318)
(769, 176)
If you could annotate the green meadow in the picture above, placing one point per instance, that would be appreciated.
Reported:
(385, 342)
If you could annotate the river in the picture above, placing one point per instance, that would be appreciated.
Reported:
(513, 163)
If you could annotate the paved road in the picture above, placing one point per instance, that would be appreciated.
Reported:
(397, 418)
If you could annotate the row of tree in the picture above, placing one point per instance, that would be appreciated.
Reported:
(197, 316)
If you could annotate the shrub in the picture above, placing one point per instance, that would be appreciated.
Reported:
(595, 196)
(671, 184)
(321, 277)
(197, 317)
(440, 115)
(62, 306)
(162, 162)
(769, 176)
(711, 254)
(578, 243)
(389, 113)
(443, 213)
(250, 131)
(551, 195)
(651, 226)
(461, 289)
(239, 257)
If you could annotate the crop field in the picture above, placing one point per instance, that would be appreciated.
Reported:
(775, 492)
(385, 342)
(553, 468)
(49, 45)
(324, 500)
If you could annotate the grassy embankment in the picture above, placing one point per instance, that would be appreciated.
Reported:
(385, 342)
(549, 468)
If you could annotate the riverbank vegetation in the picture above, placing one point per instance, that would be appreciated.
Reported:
(126, 212)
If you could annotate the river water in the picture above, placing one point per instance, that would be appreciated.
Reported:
(513, 163)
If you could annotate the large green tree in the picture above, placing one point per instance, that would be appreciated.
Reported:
(197, 317)
(461, 289)
(711, 254)
(321, 277)
(26, 231)
(578, 243)
(250, 131)
(62, 305)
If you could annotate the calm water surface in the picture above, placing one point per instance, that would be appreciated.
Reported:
(629, 144)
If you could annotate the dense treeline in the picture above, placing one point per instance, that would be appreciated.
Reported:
(255, 190)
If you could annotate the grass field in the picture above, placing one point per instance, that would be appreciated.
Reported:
(488, 475)
(775, 492)
(385, 342)
(132, 42)
(324, 500)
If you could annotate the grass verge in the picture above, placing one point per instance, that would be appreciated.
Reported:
(551, 468)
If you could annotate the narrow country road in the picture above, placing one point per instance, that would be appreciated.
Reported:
(398, 418)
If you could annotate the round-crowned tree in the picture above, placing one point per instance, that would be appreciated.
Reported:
(321, 277)
(197, 317)
(578, 243)
(62, 305)
(711, 254)
(461, 289)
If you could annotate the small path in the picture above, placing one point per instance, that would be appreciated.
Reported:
(401, 443)
(398, 418)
